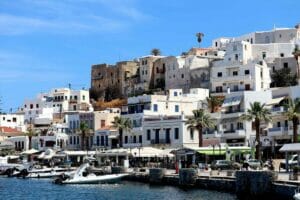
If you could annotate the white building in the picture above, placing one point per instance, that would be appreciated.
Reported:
(230, 128)
(48, 106)
(238, 71)
(144, 110)
(15, 121)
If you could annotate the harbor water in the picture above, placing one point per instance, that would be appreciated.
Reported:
(39, 189)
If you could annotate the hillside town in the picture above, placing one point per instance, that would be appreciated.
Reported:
(235, 100)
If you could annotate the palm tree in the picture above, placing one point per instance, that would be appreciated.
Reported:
(199, 37)
(293, 113)
(122, 124)
(84, 129)
(199, 121)
(258, 113)
(214, 102)
(155, 52)
(30, 133)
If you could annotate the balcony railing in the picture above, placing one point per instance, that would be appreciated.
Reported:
(279, 109)
(161, 141)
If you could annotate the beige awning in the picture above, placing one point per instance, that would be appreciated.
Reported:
(30, 151)
(276, 100)
(232, 101)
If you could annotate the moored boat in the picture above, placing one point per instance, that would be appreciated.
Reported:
(82, 176)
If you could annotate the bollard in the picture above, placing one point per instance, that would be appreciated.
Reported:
(187, 176)
(156, 175)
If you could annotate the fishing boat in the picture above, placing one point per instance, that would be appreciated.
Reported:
(82, 176)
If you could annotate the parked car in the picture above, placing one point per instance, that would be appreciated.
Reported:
(224, 165)
(293, 161)
(254, 163)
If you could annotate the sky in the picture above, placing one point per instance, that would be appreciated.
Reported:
(46, 44)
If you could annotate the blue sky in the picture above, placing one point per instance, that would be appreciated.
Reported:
(50, 43)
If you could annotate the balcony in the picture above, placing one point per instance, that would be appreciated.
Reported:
(234, 133)
(227, 78)
(226, 115)
(161, 141)
(73, 101)
(278, 131)
(278, 110)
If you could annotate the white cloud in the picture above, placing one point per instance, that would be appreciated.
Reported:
(68, 17)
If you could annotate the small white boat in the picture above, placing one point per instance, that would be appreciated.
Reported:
(49, 172)
(297, 194)
(82, 177)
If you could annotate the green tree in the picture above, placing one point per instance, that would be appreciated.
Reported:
(122, 124)
(199, 121)
(155, 52)
(30, 133)
(257, 113)
(214, 103)
(85, 133)
(293, 113)
(283, 78)
(199, 37)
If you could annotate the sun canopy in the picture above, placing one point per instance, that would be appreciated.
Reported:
(150, 152)
(232, 101)
(222, 150)
(276, 100)
(295, 147)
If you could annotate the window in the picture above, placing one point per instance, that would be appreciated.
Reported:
(235, 73)
(273, 68)
(278, 124)
(140, 139)
(75, 97)
(219, 74)
(219, 89)
(134, 139)
(282, 55)
(146, 72)
(182, 75)
(102, 123)
(216, 44)
(247, 72)
(176, 108)
(71, 141)
(245, 47)
(14, 119)
(175, 94)
(176, 134)
(285, 65)
(247, 86)
(236, 57)
(37, 105)
(155, 107)
(192, 134)
(148, 134)
(74, 107)
(126, 139)
(31, 106)
(83, 97)
(66, 98)
(264, 55)
(98, 140)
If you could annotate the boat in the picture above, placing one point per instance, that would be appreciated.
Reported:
(297, 194)
(49, 172)
(82, 176)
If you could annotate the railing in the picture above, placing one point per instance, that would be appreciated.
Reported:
(161, 141)
(279, 109)
(73, 101)
(276, 129)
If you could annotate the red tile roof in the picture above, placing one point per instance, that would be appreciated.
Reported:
(8, 131)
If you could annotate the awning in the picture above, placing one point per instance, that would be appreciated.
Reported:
(150, 152)
(295, 147)
(112, 136)
(217, 151)
(232, 101)
(276, 100)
